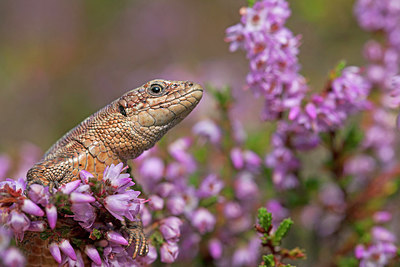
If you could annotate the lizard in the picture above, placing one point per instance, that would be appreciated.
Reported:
(116, 133)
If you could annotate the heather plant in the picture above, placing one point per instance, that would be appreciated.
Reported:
(224, 196)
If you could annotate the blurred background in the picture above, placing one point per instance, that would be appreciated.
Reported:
(60, 61)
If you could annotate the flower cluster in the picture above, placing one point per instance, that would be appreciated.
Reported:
(98, 207)
(9, 255)
(272, 52)
(381, 248)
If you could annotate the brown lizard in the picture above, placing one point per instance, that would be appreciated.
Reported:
(120, 131)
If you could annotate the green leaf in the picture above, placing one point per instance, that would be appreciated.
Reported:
(282, 230)
(264, 218)
(77, 242)
(96, 233)
(352, 138)
(157, 238)
(44, 235)
(268, 260)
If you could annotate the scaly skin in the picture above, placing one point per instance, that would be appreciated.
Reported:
(120, 131)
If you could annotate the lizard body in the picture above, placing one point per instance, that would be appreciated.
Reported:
(120, 131)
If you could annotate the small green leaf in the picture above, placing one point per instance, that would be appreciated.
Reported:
(44, 235)
(264, 218)
(77, 242)
(282, 230)
(251, 2)
(157, 238)
(96, 233)
(268, 260)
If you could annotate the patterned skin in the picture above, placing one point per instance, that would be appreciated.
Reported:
(120, 131)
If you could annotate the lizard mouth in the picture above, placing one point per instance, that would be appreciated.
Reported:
(172, 110)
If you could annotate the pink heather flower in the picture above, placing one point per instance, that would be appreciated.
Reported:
(55, 251)
(165, 189)
(245, 187)
(51, 213)
(382, 216)
(37, 226)
(178, 151)
(145, 216)
(210, 186)
(232, 210)
(13, 257)
(170, 229)
(69, 187)
(93, 254)
(237, 158)
(176, 205)
(156, 202)
(18, 222)
(116, 238)
(208, 129)
(67, 249)
(85, 176)
(169, 252)
(84, 213)
(29, 207)
(203, 220)
(118, 181)
(383, 235)
(215, 248)
(152, 168)
(126, 204)
(81, 198)
(39, 194)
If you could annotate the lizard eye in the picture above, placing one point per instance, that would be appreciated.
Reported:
(122, 110)
(155, 90)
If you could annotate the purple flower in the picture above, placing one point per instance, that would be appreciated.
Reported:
(156, 202)
(203, 220)
(51, 213)
(152, 168)
(37, 226)
(84, 213)
(13, 257)
(55, 251)
(69, 187)
(85, 176)
(210, 186)
(245, 187)
(116, 238)
(178, 151)
(118, 181)
(209, 130)
(215, 248)
(232, 210)
(169, 252)
(382, 235)
(29, 207)
(176, 205)
(18, 222)
(81, 198)
(93, 254)
(237, 158)
(39, 194)
(382, 216)
(272, 50)
(126, 204)
(170, 229)
(67, 249)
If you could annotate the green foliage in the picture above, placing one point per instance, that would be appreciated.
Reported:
(264, 218)
(268, 261)
(44, 235)
(337, 71)
(251, 3)
(352, 138)
(347, 262)
(96, 233)
(157, 239)
(222, 95)
(282, 230)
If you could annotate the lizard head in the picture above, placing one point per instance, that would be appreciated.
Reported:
(155, 107)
